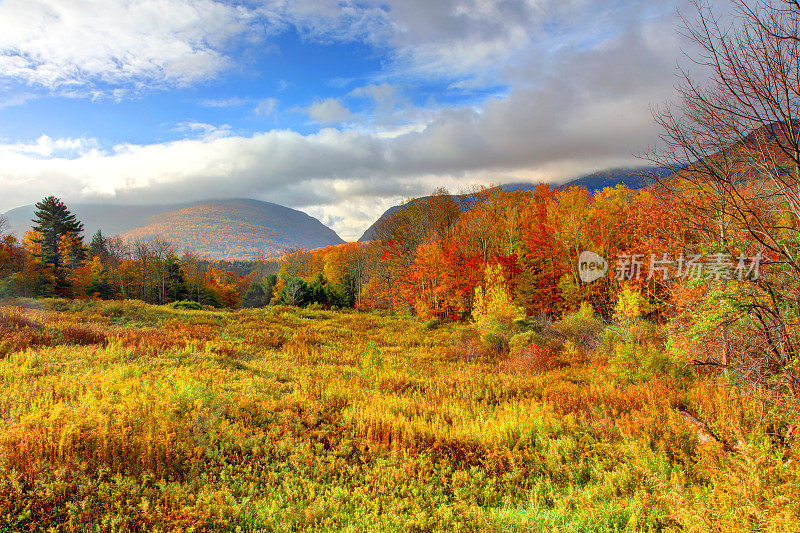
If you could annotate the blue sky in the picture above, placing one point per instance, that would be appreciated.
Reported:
(338, 108)
(286, 74)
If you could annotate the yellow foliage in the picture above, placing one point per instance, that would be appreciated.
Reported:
(632, 305)
(493, 306)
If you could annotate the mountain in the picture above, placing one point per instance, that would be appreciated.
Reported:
(112, 219)
(633, 178)
(223, 229)
(237, 229)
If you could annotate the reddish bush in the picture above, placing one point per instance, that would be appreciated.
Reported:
(534, 358)
(13, 319)
(151, 341)
(467, 347)
(18, 332)
(82, 335)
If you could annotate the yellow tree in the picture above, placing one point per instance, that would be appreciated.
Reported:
(494, 310)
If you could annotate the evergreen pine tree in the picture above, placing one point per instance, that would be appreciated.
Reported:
(98, 246)
(59, 236)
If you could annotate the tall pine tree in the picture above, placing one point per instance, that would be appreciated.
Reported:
(59, 236)
(98, 247)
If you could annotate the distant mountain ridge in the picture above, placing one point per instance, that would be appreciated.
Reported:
(112, 219)
(219, 229)
(247, 229)
(238, 229)
(631, 177)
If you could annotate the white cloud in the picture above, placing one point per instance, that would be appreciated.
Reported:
(201, 129)
(223, 102)
(383, 95)
(328, 111)
(572, 107)
(46, 147)
(79, 45)
(266, 107)
(573, 122)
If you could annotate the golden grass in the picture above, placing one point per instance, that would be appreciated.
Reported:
(136, 418)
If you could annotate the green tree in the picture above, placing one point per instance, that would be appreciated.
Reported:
(59, 236)
(295, 292)
(255, 296)
(316, 290)
(337, 295)
(98, 247)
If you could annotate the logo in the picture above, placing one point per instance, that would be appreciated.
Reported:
(591, 266)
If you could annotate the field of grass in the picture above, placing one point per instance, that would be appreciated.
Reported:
(119, 416)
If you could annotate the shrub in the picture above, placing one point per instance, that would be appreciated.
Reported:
(582, 328)
(11, 342)
(629, 314)
(82, 335)
(495, 342)
(633, 363)
(520, 341)
(530, 324)
(534, 358)
(186, 305)
(18, 332)
(57, 304)
(494, 308)
(467, 345)
(13, 319)
(494, 313)
(433, 323)
(149, 341)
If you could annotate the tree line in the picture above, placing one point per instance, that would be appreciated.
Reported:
(53, 260)
(732, 207)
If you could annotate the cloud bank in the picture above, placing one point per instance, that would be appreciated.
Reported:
(578, 80)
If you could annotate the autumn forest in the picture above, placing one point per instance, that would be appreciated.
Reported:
(549, 359)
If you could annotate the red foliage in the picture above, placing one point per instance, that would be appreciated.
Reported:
(534, 358)
(82, 335)
(18, 332)
(228, 286)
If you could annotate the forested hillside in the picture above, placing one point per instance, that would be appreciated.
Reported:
(237, 229)
(111, 219)
(633, 178)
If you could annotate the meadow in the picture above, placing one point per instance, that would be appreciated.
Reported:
(122, 416)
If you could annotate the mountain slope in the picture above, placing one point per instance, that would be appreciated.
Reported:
(237, 229)
(632, 178)
(224, 229)
(112, 219)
